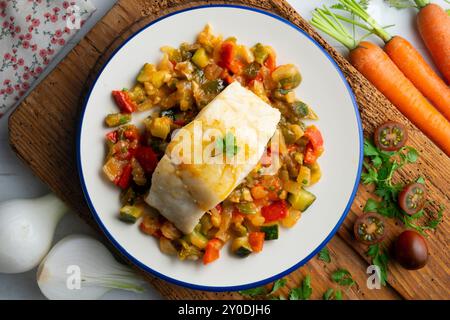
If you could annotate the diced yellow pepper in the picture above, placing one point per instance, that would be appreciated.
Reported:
(146, 73)
(304, 176)
(316, 173)
(291, 218)
(200, 58)
(160, 127)
(159, 78)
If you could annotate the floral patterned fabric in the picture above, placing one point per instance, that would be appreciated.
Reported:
(31, 33)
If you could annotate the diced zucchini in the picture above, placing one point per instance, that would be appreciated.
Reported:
(252, 70)
(117, 119)
(200, 58)
(130, 214)
(240, 229)
(246, 207)
(261, 53)
(287, 76)
(301, 200)
(271, 231)
(241, 247)
(304, 176)
(198, 240)
(145, 75)
(128, 197)
(213, 86)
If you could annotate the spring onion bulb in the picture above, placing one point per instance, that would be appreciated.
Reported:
(26, 231)
(80, 267)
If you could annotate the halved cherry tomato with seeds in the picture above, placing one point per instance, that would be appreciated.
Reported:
(369, 228)
(412, 198)
(390, 136)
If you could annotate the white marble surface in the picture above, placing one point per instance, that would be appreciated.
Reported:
(17, 181)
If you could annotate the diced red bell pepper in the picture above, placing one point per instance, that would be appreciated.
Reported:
(275, 211)
(112, 136)
(124, 180)
(314, 136)
(314, 148)
(124, 101)
(147, 158)
(271, 62)
(256, 241)
(212, 251)
(227, 54)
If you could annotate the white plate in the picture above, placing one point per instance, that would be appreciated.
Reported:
(323, 87)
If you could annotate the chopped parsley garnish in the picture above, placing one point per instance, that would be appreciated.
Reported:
(324, 255)
(303, 292)
(342, 277)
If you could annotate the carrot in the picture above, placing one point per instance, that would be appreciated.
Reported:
(416, 69)
(408, 60)
(434, 28)
(379, 69)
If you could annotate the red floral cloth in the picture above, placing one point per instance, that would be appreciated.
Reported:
(31, 33)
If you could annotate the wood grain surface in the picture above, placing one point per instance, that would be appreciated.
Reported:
(43, 130)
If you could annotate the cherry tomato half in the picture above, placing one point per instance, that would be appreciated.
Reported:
(412, 198)
(390, 136)
(369, 228)
(411, 250)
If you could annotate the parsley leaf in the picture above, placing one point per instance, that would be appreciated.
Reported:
(420, 180)
(303, 292)
(330, 294)
(280, 283)
(254, 292)
(380, 258)
(343, 277)
(371, 205)
(324, 255)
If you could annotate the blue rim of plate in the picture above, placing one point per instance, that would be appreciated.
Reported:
(187, 284)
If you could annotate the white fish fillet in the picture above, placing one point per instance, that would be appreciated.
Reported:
(183, 189)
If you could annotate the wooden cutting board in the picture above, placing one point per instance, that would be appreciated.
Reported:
(43, 130)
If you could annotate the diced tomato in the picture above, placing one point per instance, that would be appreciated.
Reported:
(123, 181)
(179, 122)
(273, 186)
(236, 66)
(219, 208)
(147, 158)
(131, 133)
(212, 251)
(124, 101)
(275, 211)
(310, 156)
(256, 241)
(271, 62)
(314, 148)
(227, 54)
(112, 136)
(237, 216)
